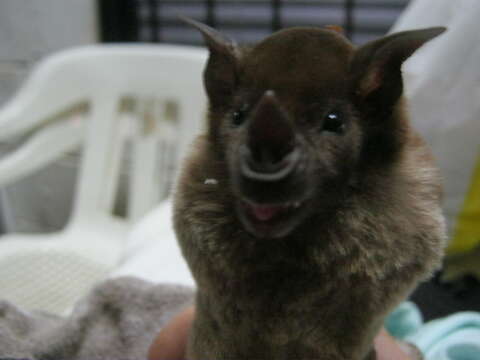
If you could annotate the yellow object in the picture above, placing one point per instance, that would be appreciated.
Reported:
(466, 235)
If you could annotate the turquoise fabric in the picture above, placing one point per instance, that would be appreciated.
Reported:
(456, 337)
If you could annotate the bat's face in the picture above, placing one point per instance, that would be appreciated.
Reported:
(296, 119)
(290, 133)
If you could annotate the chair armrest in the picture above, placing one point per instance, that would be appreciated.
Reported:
(43, 147)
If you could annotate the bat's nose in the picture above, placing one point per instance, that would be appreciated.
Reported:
(270, 152)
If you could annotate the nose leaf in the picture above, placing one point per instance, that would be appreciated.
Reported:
(270, 152)
(270, 134)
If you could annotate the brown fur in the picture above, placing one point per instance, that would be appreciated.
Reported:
(371, 225)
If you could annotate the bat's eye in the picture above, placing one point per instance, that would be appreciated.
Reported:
(334, 123)
(239, 115)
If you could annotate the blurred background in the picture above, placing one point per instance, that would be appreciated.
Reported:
(31, 30)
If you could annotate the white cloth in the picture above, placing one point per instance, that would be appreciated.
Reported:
(442, 83)
(152, 251)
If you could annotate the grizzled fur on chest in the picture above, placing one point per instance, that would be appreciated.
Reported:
(325, 212)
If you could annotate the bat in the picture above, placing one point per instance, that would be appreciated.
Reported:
(309, 208)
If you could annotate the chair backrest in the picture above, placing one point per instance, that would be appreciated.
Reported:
(151, 91)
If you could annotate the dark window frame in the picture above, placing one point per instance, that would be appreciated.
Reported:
(120, 20)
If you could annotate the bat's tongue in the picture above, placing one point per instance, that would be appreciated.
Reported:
(265, 212)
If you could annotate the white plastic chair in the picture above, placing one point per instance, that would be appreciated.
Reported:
(97, 97)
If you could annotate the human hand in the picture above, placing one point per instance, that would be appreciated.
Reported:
(171, 341)
(388, 348)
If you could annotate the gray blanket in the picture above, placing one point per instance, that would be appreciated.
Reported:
(117, 320)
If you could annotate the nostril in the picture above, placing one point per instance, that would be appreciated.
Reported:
(266, 167)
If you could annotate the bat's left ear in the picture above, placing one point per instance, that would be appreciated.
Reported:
(221, 71)
(376, 67)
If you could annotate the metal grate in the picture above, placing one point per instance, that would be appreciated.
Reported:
(246, 20)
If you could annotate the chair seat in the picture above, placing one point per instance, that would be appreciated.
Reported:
(51, 271)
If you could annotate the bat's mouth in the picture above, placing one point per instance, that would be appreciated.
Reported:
(270, 220)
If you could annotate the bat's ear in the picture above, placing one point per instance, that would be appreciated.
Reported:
(376, 67)
(221, 71)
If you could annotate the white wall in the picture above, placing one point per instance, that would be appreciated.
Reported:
(32, 29)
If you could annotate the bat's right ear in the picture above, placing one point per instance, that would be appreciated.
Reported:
(220, 75)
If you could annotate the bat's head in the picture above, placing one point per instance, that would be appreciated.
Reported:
(301, 117)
